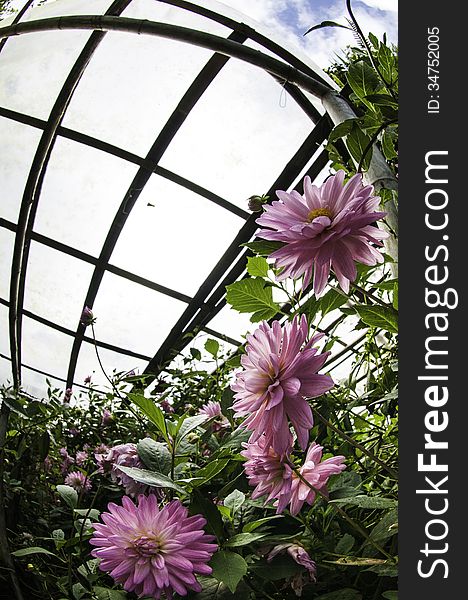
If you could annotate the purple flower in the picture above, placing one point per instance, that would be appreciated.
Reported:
(151, 551)
(78, 481)
(329, 227)
(212, 409)
(166, 406)
(67, 395)
(81, 456)
(317, 473)
(67, 460)
(106, 417)
(280, 370)
(87, 379)
(271, 475)
(87, 317)
(301, 556)
(124, 455)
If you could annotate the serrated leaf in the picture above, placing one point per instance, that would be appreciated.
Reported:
(155, 455)
(379, 316)
(212, 469)
(386, 527)
(31, 550)
(341, 130)
(388, 146)
(234, 501)
(367, 502)
(331, 301)
(326, 24)
(69, 495)
(153, 412)
(264, 247)
(212, 346)
(357, 143)
(229, 568)
(151, 478)
(252, 296)
(362, 79)
(215, 590)
(242, 539)
(257, 266)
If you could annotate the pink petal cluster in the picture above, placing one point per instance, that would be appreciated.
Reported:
(317, 473)
(78, 481)
(212, 409)
(81, 457)
(67, 460)
(266, 470)
(125, 455)
(329, 227)
(298, 554)
(279, 372)
(152, 551)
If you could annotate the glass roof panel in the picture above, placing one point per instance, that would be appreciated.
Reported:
(132, 316)
(146, 77)
(56, 286)
(19, 143)
(174, 237)
(240, 133)
(7, 240)
(82, 191)
(4, 341)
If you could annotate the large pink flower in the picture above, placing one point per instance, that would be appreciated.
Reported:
(269, 473)
(329, 227)
(280, 370)
(151, 551)
(317, 473)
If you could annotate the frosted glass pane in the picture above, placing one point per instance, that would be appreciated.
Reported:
(82, 191)
(35, 383)
(21, 142)
(232, 323)
(132, 316)
(88, 365)
(5, 372)
(45, 348)
(131, 87)
(241, 144)
(56, 286)
(4, 337)
(207, 362)
(174, 237)
(7, 240)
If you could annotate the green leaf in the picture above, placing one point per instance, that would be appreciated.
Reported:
(390, 595)
(341, 130)
(252, 296)
(227, 399)
(92, 514)
(367, 502)
(264, 247)
(242, 539)
(357, 142)
(345, 545)
(234, 501)
(257, 266)
(387, 63)
(326, 24)
(188, 424)
(201, 504)
(379, 316)
(69, 495)
(248, 527)
(215, 590)
(344, 594)
(211, 470)
(388, 146)
(151, 478)
(153, 412)
(363, 79)
(196, 354)
(281, 567)
(31, 550)
(103, 593)
(229, 568)
(382, 99)
(374, 40)
(236, 439)
(212, 346)
(386, 527)
(155, 455)
(387, 570)
(357, 561)
(331, 301)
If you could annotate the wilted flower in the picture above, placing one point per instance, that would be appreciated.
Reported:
(87, 379)
(151, 551)
(124, 455)
(106, 417)
(317, 473)
(81, 456)
(87, 317)
(67, 460)
(67, 395)
(78, 481)
(329, 227)
(271, 475)
(301, 556)
(280, 370)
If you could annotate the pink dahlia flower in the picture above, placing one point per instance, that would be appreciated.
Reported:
(106, 418)
(67, 460)
(280, 370)
(78, 481)
(125, 455)
(81, 457)
(151, 551)
(271, 476)
(212, 409)
(329, 227)
(317, 473)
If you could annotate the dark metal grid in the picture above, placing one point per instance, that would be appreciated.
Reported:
(97, 144)
(17, 18)
(33, 188)
(298, 96)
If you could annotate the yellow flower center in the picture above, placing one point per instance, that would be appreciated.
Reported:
(319, 212)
